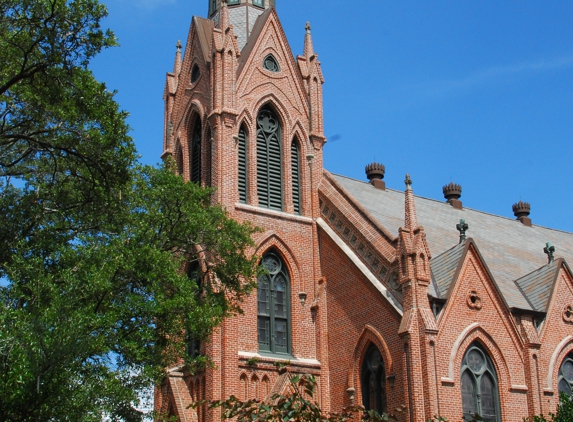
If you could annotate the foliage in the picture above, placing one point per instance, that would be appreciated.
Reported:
(93, 302)
(297, 405)
(564, 411)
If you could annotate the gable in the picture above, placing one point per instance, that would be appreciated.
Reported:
(254, 81)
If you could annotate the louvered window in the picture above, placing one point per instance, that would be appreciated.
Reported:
(196, 152)
(179, 158)
(479, 386)
(243, 165)
(295, 167)
(274, 306)
(373, 381)
(269, 165)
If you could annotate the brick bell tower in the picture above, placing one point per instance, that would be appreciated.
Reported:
(244, 116)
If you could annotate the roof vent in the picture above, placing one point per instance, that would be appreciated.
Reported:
(375, 173)
(453, 193)
(521, 210)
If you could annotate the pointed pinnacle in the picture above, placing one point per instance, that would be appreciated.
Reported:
(408, 182)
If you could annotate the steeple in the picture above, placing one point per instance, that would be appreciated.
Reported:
(242, 14)
(308, 47)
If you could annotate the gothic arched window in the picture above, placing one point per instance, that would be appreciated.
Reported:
(295, 169)
(274, 306)
(479, 385)
(373, 380)
(269, 163)
(242, 179)
(565, 380)
(196, 152)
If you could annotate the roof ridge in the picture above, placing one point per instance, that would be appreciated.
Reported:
(465, 207)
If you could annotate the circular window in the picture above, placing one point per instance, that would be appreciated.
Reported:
(270, 63)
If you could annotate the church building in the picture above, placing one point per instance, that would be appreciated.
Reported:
(387, 298)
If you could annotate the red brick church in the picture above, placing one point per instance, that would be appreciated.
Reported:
(386, 297)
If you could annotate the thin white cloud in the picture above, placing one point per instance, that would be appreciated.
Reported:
(447, 87)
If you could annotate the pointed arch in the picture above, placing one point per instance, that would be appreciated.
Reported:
(295, 158)
(274, 305)
(179, 162)
(369, 336)
(561, 351)
(208, 162)
(265, 387)
(243, 387)
(472, 333)
(272, 100)
(479, 384)
(255, 387)
(270, 240)
(243, 164)
(269, 158)
(195, 148)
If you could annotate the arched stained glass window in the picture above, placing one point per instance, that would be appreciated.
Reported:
(479, 385)
(565, 380)
(274, 306)
(295, 168)
(373, 381)
(196, 152)
(243, 186)
(269, 163)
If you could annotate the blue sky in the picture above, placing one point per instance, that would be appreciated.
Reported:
(475, 92)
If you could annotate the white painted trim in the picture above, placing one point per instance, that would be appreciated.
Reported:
(361, 266)
(301, 361)
(455, 349)
(272, 213)
(554, 357)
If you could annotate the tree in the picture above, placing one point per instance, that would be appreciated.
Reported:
(296, 405)
(95, 249)
(564, 411)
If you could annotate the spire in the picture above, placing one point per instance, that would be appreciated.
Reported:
(178, 61)
(224, 20)
(308, 47)
(411, 219)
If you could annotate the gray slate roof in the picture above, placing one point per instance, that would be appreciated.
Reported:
(510, 249)
(443, 268)
(537, 285)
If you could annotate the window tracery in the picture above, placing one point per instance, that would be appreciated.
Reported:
(274, 306)
(479, 385)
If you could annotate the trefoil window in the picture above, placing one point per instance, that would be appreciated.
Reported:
(271, 64)
(274, 306)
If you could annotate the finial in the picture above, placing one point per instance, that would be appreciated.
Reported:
(408, 182)
(549, 250)
(462, 228)
(179, 45)
(307, 27)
